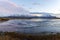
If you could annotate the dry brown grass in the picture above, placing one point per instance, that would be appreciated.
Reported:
(4, 19)
(19, 36)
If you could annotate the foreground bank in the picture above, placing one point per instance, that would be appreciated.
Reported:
(19, 36)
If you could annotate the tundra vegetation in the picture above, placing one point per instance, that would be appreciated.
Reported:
(21, 36)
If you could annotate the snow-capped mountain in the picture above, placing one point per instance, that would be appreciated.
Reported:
(42, 14)
(33, 15)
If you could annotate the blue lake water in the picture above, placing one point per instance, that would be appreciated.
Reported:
(31, 25)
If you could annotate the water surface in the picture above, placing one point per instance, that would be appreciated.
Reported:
(31, 25)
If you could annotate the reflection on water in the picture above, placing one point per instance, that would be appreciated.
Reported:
(31, 25)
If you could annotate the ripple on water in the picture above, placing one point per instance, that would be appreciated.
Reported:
(31, 26)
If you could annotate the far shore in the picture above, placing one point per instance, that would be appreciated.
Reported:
(6, 19)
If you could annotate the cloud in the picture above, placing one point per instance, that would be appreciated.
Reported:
(36, 4)
(4, 0)
(10, 8)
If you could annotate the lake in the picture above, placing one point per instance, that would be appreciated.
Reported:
(31, 25)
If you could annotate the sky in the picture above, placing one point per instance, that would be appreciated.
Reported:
(7, 8)
(50, 6)
(19, 6)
